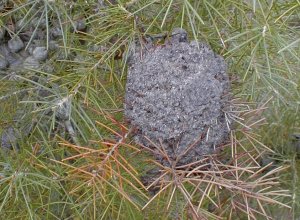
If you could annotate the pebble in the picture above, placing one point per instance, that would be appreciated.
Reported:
(80, 25)
(179, 35)
(40, 35)
(24, 53)
(48, 68)
(33, 45)
(53, 45)
(40, 53)
(15, 61)
(3, 63)
(56, 32)
(63, 109)
(8, 138)
(37, 22)
(266, 160)
(31, 63)
(43, 93)
(15, 44)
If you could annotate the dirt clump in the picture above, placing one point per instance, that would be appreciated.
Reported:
(176, 98)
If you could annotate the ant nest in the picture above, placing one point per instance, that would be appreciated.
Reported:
(176, 98)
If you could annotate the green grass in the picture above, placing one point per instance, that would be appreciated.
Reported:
(96, 175)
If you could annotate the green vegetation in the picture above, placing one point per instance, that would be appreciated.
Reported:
(86, 166)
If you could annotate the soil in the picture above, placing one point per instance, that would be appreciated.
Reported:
(176, 96)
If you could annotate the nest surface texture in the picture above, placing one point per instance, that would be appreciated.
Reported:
(176, 98)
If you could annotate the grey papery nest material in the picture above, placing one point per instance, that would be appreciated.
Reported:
(176, 96)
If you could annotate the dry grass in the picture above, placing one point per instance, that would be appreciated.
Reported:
(231, 183)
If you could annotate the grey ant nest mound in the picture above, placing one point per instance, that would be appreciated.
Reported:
(176, 97)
